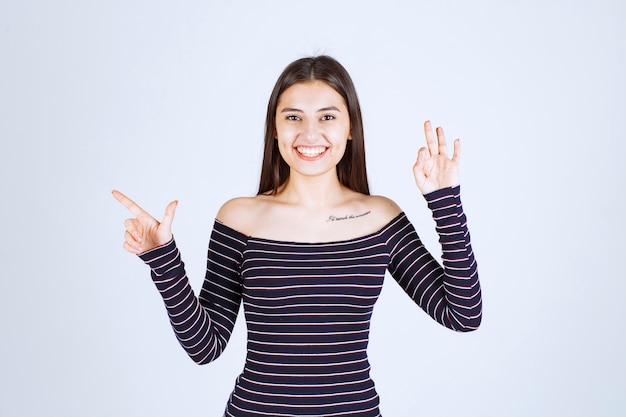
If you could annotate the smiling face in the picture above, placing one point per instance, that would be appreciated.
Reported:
(312, 128)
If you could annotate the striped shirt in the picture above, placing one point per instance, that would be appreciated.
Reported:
(308, 307)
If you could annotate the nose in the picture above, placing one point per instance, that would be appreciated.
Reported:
(312, 130)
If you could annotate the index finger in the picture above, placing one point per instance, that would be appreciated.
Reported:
(128, 203)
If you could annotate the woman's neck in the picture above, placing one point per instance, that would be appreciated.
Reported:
(312, 192)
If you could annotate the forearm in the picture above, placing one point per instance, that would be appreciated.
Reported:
(461, 303)
(191, 323)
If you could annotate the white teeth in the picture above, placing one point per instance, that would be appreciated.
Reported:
(311, 151)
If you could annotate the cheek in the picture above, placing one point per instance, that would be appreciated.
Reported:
(285, 132)
(344, 149)
(284, 148)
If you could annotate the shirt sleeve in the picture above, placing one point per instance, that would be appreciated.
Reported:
(451, 293)
(203, 324)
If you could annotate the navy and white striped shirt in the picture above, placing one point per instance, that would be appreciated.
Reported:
(308, 307)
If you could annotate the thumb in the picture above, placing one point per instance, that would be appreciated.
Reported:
(422, 155)
(168, 217)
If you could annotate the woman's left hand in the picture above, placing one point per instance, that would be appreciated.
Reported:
(433, 169)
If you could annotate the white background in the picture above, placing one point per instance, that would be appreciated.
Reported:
(166, 100)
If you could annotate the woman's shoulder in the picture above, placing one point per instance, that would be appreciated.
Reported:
(383, 209)
(241, 213)
(385, 205)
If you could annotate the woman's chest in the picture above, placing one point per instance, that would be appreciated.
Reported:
(303, 276)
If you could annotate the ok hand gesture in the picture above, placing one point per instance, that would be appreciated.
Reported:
(433, 169)
(144, 232)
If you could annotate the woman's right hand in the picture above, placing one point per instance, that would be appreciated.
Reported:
(144, 232)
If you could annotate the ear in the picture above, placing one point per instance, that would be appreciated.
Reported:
(350, 134)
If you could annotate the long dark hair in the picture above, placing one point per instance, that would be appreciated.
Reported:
(351, 169)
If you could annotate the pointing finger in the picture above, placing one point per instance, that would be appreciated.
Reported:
(128, 203)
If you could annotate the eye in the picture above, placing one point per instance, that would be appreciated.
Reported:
(292, 117)
(327, 117)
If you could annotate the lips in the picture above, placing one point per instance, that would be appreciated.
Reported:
(311, 151)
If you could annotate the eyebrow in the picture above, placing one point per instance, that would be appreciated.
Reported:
(323, 109)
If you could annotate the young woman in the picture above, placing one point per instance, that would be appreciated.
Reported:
(308, 253)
